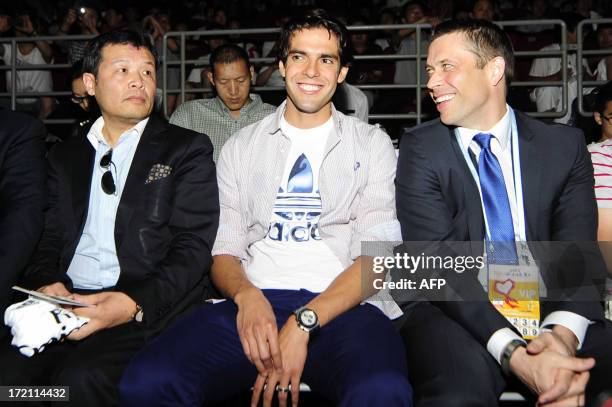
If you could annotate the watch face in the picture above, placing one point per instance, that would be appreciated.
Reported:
(308, 318)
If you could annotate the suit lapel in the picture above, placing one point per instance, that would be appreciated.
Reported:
(144, 158)
(471, 196)
(81, 163)
(530, 173)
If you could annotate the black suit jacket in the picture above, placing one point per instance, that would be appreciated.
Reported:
(22, 195)
(438, 200)
(164, 230)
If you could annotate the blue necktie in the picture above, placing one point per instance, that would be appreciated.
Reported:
(501, 248)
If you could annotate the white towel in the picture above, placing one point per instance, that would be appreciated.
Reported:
(36, 323)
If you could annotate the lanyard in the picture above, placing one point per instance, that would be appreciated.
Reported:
(516, 166)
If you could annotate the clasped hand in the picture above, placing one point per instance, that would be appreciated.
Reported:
(548, 366)
(278, 357)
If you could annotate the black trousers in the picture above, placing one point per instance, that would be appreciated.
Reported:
(91, 368)
(448, 367)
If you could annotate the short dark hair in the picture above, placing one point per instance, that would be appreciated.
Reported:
(486, 40)
(603, 95)
(317, 18)
(228, 53)
(119, 36)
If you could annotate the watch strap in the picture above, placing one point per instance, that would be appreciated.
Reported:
(507, 354)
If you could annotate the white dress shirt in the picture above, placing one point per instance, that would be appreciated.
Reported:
(95, 264)
(501, 147)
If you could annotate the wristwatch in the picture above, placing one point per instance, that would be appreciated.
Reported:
(307, 319)
(507, 354)
(139, 314)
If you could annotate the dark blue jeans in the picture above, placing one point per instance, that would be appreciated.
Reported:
(357, 359)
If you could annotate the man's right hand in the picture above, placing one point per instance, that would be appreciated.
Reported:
(549, 374)
(257, 330)
(57, 289)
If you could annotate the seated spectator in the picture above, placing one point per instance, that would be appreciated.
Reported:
(219, 17)
(550, 98)
(156, 25)
(369, 70)
(233, 107)
(299, 191)
(87, 22)
(601, 156)
(536, 10)
(484, 10)
(81, 107)
(22, 197)
(198, 76)
(87, 104)
(385, 38)
(406, 73)
(249, 47)
(113, 17)
(29, 53)
(364, 71)
(269, 74)
(604, 40)
(136, 247)
(601, 150)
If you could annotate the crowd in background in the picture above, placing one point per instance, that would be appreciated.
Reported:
(33, 18)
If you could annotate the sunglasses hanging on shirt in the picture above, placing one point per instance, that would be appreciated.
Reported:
(108, 182)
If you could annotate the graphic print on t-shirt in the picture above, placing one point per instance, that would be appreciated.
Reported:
(297, 207)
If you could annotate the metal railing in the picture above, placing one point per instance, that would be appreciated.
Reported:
(580, 52)
(419, 57)
(13, 67)
(182, 35)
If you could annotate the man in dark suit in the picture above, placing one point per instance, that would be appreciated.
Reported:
(22, 196)
(466, 351)
(133, 213)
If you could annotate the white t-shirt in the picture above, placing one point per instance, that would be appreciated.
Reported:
(292, 255)
(28, 81)
(549, 98)
(195, 75)
(602, 70)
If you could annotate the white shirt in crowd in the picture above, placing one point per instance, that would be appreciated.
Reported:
(28, 81)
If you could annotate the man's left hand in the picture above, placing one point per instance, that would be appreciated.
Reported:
(293, 343)
(567, 384)
(109, 309)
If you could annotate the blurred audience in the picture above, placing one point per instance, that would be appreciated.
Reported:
(550, 98)
(26, 24)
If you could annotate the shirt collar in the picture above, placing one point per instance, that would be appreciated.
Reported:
(501, 131)
(96, 138)
(244, 110)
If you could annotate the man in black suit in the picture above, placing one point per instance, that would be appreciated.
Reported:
(22, 196)
(466, 351)
(133, 213)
